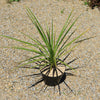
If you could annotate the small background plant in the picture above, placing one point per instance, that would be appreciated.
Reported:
(86, 2)
(92, 3)
(62, 11)
(9, 1)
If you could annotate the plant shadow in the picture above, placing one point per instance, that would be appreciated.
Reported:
(44, 87)
(62, 80)
(84, 39)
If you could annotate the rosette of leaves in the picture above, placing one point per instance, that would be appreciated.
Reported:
(50, 50)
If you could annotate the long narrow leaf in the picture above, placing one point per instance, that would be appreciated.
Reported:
(26, 49)
(28, 36)
(48, 35)
(52, 35)
(66, 64)
(31, 58)
(34, 18)
(67, 32)
(63, 29)
(33, 21)
(46, 64)
(75, 39)
(66, 41)
(12, 38)
(35, 60)
(43, 47)
(66, 52)
(37, 24)
(38, 43)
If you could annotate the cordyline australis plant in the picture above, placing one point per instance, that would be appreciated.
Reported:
(50, 50)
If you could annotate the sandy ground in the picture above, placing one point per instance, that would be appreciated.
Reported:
(86, 83)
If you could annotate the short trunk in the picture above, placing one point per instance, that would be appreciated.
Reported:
(54, 76)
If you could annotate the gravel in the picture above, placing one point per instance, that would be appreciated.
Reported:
(86, 83)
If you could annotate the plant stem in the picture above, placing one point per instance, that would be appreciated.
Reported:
(54, 62)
